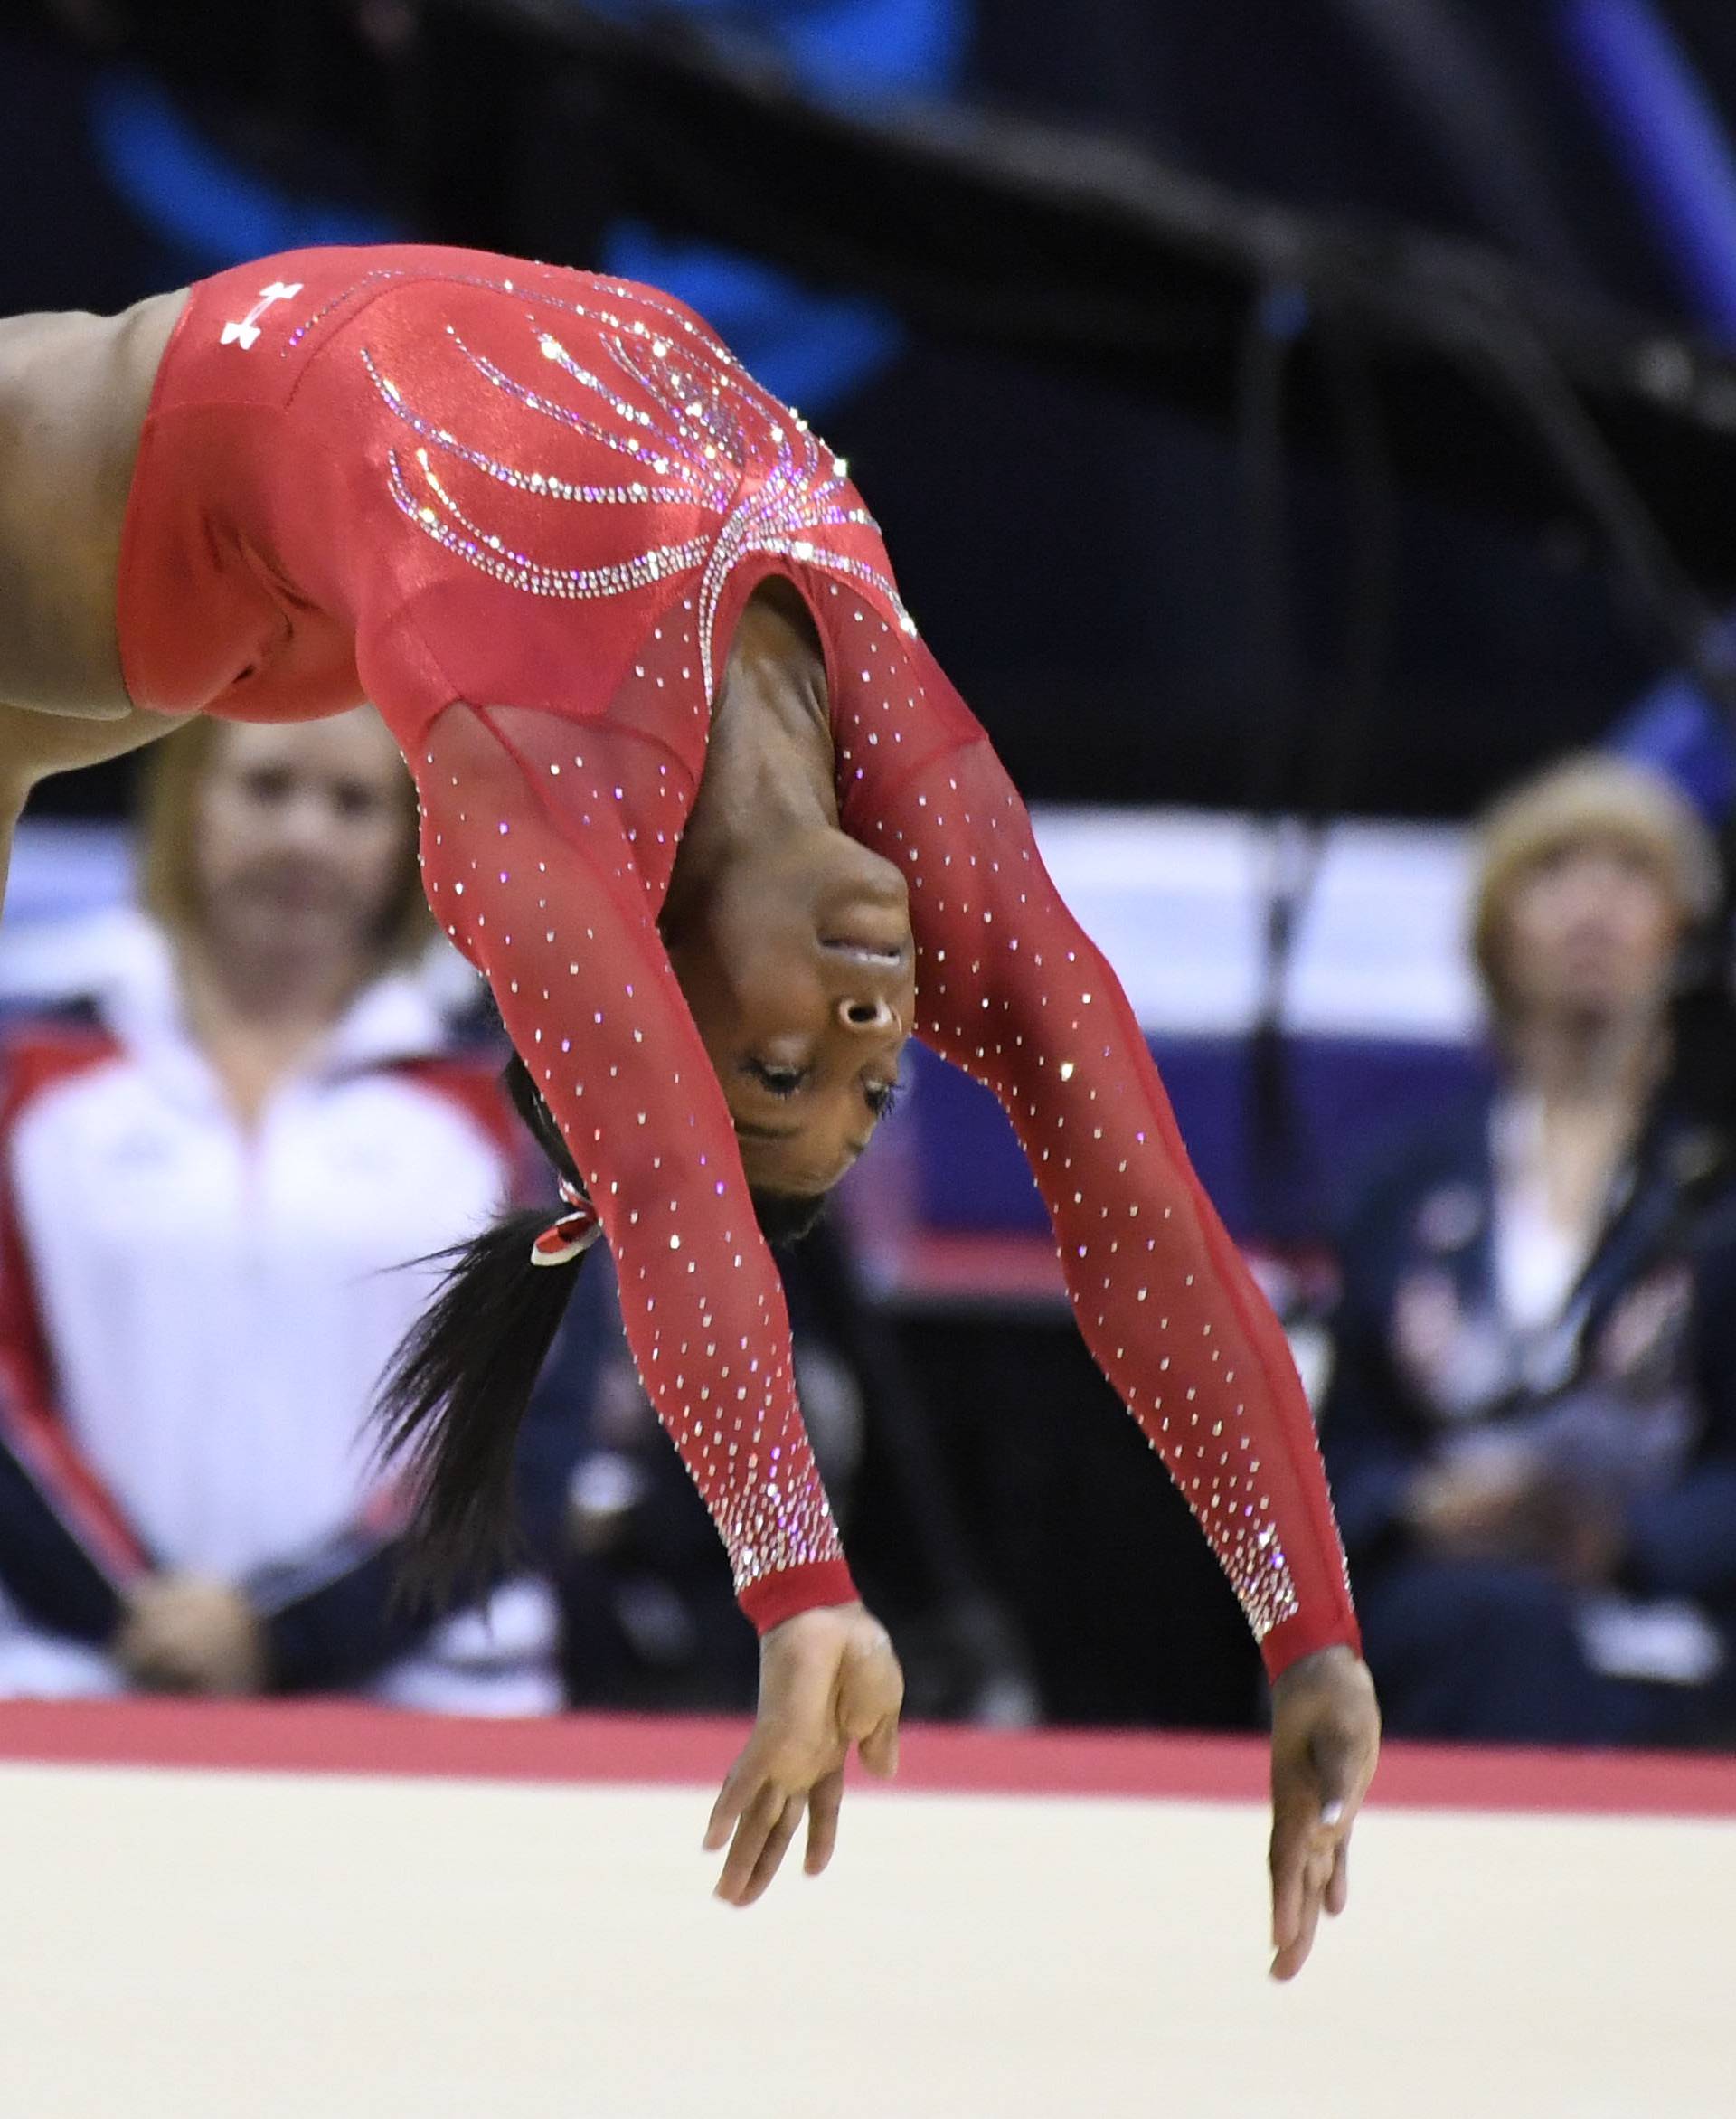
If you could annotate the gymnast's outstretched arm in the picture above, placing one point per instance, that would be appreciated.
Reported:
(1010, 988)
(530, 854)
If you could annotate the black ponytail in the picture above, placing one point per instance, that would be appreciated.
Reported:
(455, 1394)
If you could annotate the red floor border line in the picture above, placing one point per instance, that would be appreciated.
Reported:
(343, 1737)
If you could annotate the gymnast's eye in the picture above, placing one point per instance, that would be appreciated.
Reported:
(881, 1097)
(781, 1081)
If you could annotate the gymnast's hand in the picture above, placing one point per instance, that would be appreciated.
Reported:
(828, 1679)
(1326, 1739)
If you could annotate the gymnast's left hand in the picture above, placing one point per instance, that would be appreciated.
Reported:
(828, 1679)
(1325, 1741)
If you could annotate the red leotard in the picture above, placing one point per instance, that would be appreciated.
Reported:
(521, 509)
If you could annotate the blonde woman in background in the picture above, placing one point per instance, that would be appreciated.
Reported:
(1531, 1427)
(209, 1170)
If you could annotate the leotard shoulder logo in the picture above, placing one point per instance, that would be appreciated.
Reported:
(246, 333)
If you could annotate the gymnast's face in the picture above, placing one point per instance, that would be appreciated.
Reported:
(799, 969)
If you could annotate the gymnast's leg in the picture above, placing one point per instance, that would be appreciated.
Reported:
(73, 392)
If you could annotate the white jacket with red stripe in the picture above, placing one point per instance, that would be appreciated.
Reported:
(194, 1317)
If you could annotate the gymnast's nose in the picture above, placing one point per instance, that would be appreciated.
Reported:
(869, 983)
(871, 1017)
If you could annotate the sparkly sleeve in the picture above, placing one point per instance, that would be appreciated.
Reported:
(531, 866)
(1010, 988)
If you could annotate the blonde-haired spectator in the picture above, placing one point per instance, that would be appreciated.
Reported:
(210, 1172)
(1532, 1423)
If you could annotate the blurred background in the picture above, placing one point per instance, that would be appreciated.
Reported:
(1293, 428)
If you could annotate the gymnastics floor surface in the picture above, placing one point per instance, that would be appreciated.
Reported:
(329, 1912)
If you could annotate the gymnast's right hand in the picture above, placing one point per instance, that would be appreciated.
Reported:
(828, 1679)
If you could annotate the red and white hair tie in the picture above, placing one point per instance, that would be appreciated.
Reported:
(574, 1233)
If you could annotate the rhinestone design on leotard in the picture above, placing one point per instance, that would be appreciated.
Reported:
(702, 436)
(378, 278)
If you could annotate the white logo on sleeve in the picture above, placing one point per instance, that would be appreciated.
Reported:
(247, 331)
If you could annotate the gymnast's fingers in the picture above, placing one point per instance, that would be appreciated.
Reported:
(1338, 1889)
(1293, 1955)
(757, 1823)
(740, 1784)
(824, 1802)
(878, 1747)
(771, 1854)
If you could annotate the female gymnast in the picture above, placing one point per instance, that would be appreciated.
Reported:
(700, 805)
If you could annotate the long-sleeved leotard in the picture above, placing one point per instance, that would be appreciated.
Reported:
(522, 509)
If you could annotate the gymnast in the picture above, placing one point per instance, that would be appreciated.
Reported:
(702, 808)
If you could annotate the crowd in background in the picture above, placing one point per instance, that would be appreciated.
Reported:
(226, 1167)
